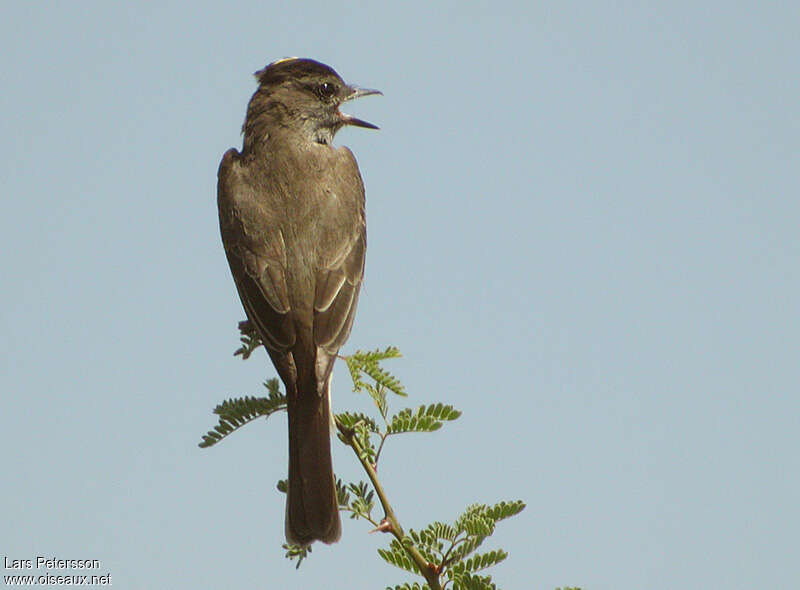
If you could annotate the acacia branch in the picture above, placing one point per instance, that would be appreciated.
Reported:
(390, 523)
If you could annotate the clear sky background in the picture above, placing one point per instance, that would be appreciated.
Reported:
(583, 226)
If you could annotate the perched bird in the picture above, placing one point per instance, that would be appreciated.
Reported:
(291, 212)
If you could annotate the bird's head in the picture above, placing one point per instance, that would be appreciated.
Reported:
(303, 96)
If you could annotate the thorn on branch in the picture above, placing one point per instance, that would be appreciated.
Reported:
(384, 527)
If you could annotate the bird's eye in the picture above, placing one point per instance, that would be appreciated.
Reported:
(326, 90)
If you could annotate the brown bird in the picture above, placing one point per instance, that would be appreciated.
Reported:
(291, 212)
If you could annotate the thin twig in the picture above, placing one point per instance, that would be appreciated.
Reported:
(428, 570)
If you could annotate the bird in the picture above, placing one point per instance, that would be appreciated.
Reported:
(293, 226)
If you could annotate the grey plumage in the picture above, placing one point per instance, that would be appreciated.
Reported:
(291, 211)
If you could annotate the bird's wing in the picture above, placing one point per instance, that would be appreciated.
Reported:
(336, 294)
(341, 272)
(257, 255)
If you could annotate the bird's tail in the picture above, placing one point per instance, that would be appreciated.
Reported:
(312, 508)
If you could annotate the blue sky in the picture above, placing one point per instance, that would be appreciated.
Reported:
(582, 232)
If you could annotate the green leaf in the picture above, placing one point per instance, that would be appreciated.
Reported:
(273, 386)
(441, 530)
(440, 411)
(361, 490)
(367, 363)
(236, 412)
(428, 543)
(504, 510)
(350, 419)
(405, 422)
(362, 435)
(398, 557)
(478, 526)
(249, 338)
(364, 500)
(484, 560)
(297, 552)
(423, 419)
(384, 378)
(342, 495)
(470, 582)
(373, 356)
(378, 395)
(477, 523)
(465, 548)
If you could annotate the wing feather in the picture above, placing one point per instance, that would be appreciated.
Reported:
(337, 296)
(257, 256)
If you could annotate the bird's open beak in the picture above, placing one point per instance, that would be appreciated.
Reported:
(357, 92)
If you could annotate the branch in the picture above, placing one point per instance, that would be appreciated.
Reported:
(390, 523)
